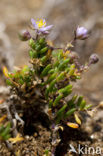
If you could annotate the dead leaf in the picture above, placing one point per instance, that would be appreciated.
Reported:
(77, 119)
(5, 72)
(17, 139)
(72, 125)
(3, 118)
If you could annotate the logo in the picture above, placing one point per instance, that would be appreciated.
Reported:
(87, 150)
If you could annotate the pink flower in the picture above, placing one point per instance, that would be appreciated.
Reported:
(40, 26)
(24, 35)
(93, 59)
(81, 33)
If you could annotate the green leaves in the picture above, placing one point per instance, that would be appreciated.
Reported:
(60, 113)
(79, 100)
(39, 48)
(69, 112)
(21, 76)
(32, 43)
(57, 100)
(5, 131)
(71, 103)
(63, 64)
(9, 83)
(42, 41)
(46, 70)
(65, 90)
(32, 54)
(81, 103)
(61, 76)
(43, 50)
(44, 59)
(72, 69)
(72, 106)
(49, 77)
(52, 77)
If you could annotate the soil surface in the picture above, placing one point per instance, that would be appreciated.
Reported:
(66, 15)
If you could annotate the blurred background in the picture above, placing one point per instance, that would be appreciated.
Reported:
(65, 15)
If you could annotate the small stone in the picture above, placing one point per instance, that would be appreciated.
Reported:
(27, 137)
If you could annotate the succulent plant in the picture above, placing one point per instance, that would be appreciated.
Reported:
(50, 78)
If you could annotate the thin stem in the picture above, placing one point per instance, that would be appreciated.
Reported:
(54, 48)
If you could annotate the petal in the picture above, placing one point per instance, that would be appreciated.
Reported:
(46, 28)
(45, 32)
(44, 21)
(34, 23)
(82, 31)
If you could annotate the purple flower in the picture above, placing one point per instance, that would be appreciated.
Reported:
(40, 26)
(24, 35)
(81, 33)
(93, 59)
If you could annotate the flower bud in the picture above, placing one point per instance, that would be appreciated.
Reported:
(81, 33)
(93, 59)
(24, 35)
